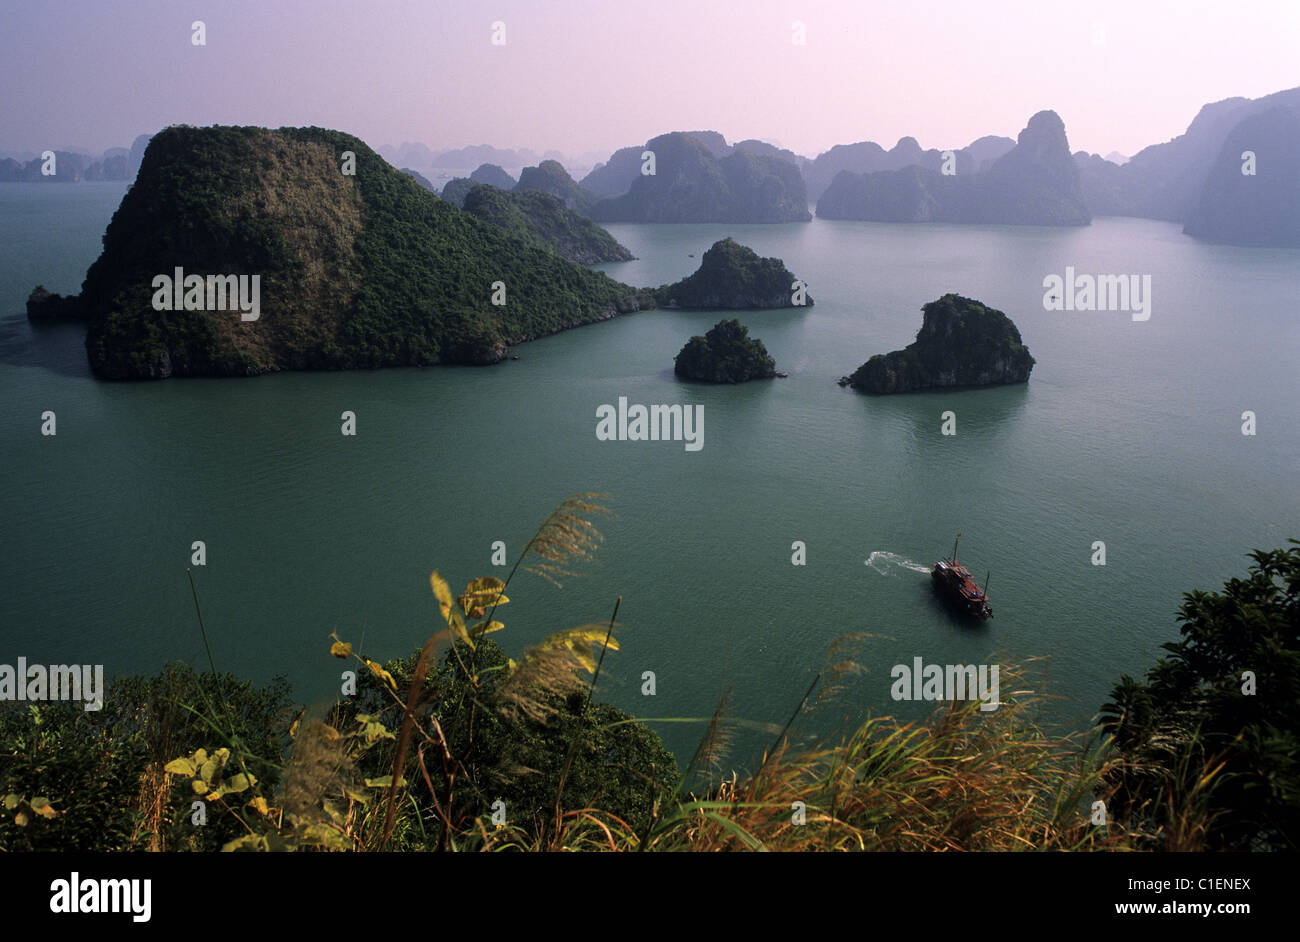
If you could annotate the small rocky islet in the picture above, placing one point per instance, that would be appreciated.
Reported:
(961, 343)
(726, 354)
(732, 277)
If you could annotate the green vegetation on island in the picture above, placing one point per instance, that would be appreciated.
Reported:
(961, 343)
(733, 277)
(726, 354)
(356, 271)
(455, 190)
(541, 218)
(550, 177)
(493, 175)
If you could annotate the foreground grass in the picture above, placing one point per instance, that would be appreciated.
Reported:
(460, 748)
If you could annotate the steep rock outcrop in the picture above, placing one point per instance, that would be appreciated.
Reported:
(961, 343)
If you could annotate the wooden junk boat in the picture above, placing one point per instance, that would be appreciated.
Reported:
(954, 581)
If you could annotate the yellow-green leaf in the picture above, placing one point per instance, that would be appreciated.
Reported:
(481, 594)
(248, 842)
(237, 784)
(485, 627)
(180, 767)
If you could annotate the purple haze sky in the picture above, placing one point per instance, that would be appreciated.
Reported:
(577, 76)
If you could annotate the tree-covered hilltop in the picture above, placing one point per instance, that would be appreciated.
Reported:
(550, 177)
(364, 270)
(961, 343)
(420, 179)
(455, 190)
(538, 217)
(726, 354)
(733, 277)
(493, 175)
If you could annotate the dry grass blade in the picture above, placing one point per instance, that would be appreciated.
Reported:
(716, 739)
(550, 672)
(565, 536)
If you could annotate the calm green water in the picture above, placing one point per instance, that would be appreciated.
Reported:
(1128, 433)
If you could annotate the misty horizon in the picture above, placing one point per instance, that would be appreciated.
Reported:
(583, 80)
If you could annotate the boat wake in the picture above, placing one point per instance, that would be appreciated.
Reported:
(887, 563)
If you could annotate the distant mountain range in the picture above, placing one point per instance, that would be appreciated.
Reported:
(1034, 183)
(421, 157)
(75, 166)
(1229, 178)
(690, 183)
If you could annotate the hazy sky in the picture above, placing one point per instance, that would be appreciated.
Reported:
(576, 75)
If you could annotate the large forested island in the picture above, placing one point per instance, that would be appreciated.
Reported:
(961, 343)
(356, 270)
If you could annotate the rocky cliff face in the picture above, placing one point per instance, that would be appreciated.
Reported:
(615, 176)
(961, 343)
(726, 354)
(733, 277)
(1168, 181)
(1259, 208)
(1034, 183)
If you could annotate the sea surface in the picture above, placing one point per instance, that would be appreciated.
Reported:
(1128, 432)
